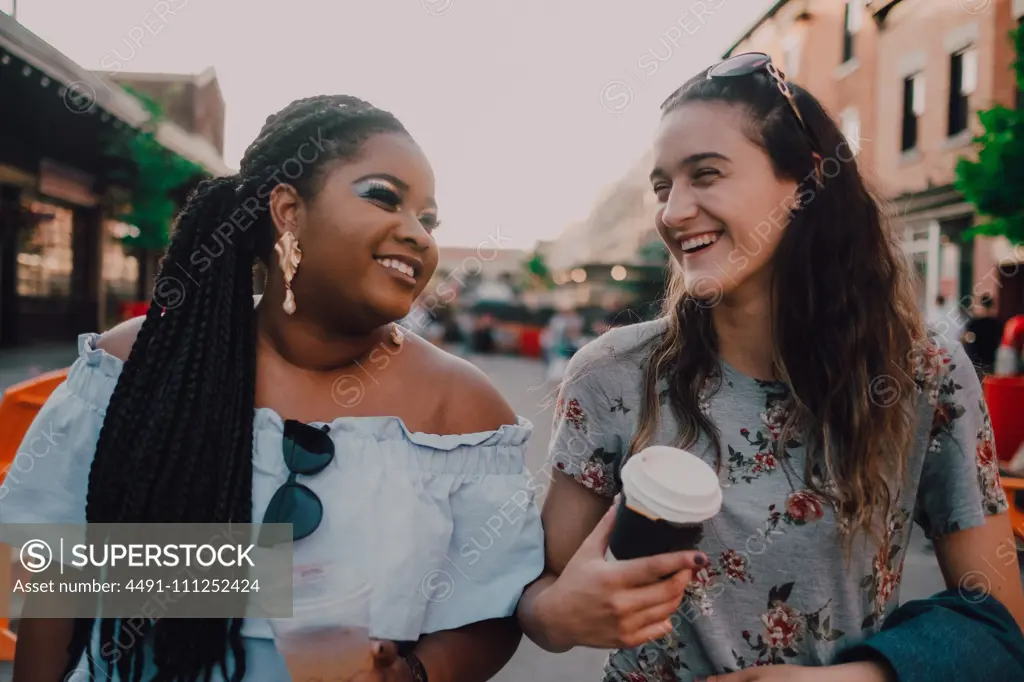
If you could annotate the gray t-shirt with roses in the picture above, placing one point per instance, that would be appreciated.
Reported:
(778, 589)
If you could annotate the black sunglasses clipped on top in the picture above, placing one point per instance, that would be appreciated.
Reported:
(752, 62)
(307, 451)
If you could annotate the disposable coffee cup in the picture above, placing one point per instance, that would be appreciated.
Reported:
(668, 494)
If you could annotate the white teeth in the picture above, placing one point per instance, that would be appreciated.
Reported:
(695, 242)
(397, 265)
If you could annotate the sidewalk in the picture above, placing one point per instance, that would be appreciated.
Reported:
(19, 364)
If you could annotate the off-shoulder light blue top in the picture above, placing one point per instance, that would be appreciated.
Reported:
(447, 524)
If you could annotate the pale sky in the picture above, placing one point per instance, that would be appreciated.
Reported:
(515, 102)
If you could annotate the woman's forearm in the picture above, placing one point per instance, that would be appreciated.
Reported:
(474, 653)
(41, 652)
(532, 615)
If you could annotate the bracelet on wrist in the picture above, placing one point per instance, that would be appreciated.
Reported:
(419, 673)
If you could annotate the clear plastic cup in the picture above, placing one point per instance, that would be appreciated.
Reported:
(327, 638)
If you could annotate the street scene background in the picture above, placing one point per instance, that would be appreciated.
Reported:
(537, 118)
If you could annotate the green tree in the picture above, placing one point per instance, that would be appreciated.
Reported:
(537, 272)
(994, 182)
(156, 174)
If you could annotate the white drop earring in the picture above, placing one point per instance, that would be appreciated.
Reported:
(397, 336)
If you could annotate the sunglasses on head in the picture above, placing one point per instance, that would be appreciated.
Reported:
(753, 62)
(307, 451)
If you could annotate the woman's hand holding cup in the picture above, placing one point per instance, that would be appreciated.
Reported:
(628, 578)
(617, 604)
(388, 666)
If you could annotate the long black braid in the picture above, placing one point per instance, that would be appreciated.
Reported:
(176, 443)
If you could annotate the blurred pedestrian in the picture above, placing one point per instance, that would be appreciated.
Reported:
(616, 314)
(946, 320)
(483, 337)
(982, 335)
(560, 339)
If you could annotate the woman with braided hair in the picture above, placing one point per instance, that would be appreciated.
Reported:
(184, 416)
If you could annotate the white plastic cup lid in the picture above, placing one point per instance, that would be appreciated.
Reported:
(673, 484)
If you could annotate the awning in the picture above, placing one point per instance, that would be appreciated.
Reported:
(85, 87)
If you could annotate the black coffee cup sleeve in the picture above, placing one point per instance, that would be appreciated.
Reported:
(636, 535)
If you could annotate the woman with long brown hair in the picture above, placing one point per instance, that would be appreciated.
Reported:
(792, 358)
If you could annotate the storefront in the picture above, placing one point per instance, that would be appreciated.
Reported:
(932, 225)
(53, 254)
(961, 270)
(120, 271)
(64, 268)
(940, 262)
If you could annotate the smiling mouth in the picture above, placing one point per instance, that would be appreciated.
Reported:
(692, 245)
(398, 266)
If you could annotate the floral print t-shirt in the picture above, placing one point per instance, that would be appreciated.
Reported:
(778, 589)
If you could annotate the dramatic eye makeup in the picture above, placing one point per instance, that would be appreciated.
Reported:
(380, 191)
(429, 221)
(388, 192)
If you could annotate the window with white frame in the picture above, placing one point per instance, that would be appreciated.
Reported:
(963, 81)
(913, 109)
(852, 20)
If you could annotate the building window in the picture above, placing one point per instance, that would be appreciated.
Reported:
(963, 79)
(851, 24)
(120, 267)
(850, 123)
(913, 108)
(46, 255)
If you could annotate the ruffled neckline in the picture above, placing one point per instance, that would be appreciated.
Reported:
(384, 427)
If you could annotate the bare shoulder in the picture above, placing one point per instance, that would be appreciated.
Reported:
(118, 341)
(470, 402)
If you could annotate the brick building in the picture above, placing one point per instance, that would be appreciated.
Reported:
(946, 64)
(905, 79)
(828, 47)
